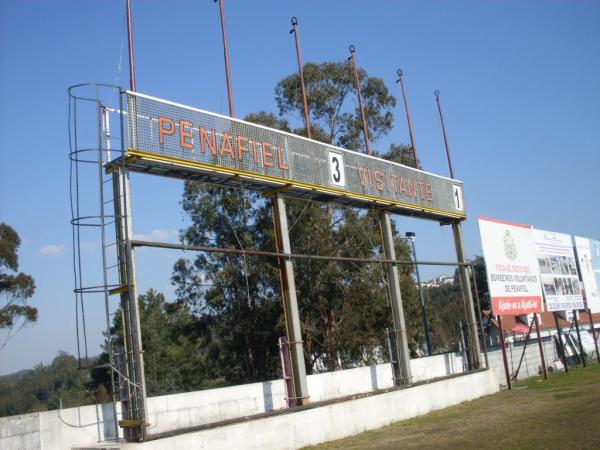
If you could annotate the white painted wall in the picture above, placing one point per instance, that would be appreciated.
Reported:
(333, 421)
(53, 430)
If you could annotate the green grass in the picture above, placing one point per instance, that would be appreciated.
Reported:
(562, 412)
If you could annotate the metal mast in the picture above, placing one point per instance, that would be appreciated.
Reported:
(226, 56)
(301, 72)
(132, 83)
(439, 106)
(408, 118)
(360, 98)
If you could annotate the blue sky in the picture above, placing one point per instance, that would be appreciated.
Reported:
(519, 85)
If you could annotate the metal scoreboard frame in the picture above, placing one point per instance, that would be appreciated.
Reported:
(159, 137)
(174, 140)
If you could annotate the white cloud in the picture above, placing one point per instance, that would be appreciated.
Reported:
(158, 236)
(52, 250)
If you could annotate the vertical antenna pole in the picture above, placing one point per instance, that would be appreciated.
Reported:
(226, 56)
(437, 99)
(132, 83)
(300, 70)
(360, 99)
(408, 118)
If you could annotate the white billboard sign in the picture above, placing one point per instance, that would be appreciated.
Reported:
(588, 256)
(558, 270)
(512, 267)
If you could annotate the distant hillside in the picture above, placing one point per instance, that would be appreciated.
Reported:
(41, 388)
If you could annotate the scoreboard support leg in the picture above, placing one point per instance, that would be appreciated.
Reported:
(132, 331)
(290, 302)
(401, 365)
(475, 350)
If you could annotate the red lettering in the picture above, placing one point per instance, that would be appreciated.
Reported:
(395, 182)
(282, 164)
(428, 192)
(362, 175)
(211, 141)
(162, 131)
(403, 186)
(226, 146)
(183, 134)
(241, 146)
(254, 151)
(266, 154)
(412, 188)
(379, 180)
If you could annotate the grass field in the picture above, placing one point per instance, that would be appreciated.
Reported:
(562, 412)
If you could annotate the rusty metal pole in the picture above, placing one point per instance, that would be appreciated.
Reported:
(226, 56)
(402, 369)
(467, 294)
(579, 338)
(132, 83)
(540, 345)
(408, 118)
(589, 311)
(437, 99)
(290, 301)
(360, 99)
(561, 347)
(504, 357)
(301, 72)
(479, 316)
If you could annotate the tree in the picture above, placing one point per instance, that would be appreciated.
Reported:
(45, 387)
(344, 308)
(329, 87)
(15, 288)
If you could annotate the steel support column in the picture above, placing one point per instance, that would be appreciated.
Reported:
(504, 355)
(131, 326)
(475, 350)
(540, 345)
(290, 303)
(402, 371)
(589, 311)
(581, 349)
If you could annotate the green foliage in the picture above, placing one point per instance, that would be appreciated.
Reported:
(447, 311)
(15, 288)
(448, 307)
(43, 387)
(344, 307)
(330, 88)
(402, 154)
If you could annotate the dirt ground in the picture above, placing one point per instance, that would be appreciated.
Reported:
(562, 412)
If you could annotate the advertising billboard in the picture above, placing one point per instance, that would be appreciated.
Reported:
(512, 267)
(170, 139)
(588, 257)
(558, 270)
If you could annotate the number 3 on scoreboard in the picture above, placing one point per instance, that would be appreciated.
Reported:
(336, 169)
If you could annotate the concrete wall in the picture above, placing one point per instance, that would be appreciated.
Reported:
(61, 429)
(532, 362)
(333, 421)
